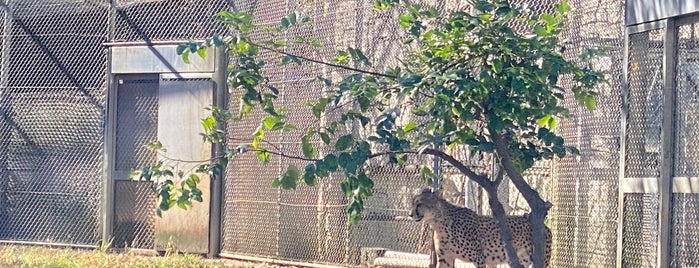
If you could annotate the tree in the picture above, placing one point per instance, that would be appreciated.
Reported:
(469, 79)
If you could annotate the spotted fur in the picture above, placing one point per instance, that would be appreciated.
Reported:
(460, 233)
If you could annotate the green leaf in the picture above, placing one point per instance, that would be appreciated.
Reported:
(406, 20)
(292, 18)
(276, 183)
(319, 107)
(285, 22)
(307, 147)
(309, 177)
(191, 182)
(324, 137)
(364, 181)
(202, 52)
(410, 80)
(289, 58)
(409, 127)
(326, 82)
(590, 103)
(380, 5)
(185, 56)
(289, 179)
(181, 48)
(544, 121)
(331, 162)
(154, 146)
(497, 65)
(344, 142)
(427, 175)
(552, 123)
(548, 19)
(273, 123)
(263, 156)
(563, 7)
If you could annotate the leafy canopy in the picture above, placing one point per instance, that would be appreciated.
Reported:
(466, 76)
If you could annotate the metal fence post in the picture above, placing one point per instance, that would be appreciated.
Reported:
(107, 216)
(437, 184)
(4, 117)
(668, 143)
(220, 96)
(622, 150)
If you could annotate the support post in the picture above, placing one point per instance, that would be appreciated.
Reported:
(622, 151)
(107, 216)
(215, 208)
(667, 144)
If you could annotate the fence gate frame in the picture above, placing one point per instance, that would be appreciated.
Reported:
(667, 183)
(159, 58)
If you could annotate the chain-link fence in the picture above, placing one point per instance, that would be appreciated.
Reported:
(52, 112)
(684, 222)
(54, 84)
(584, 188)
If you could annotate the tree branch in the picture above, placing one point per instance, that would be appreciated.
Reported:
(531, 195)
(481, 180)
(325, 63)
(286, 155)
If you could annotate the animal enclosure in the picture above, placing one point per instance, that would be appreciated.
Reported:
(76, 111)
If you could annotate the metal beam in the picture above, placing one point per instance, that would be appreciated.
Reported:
(685, 185)
(645, 27)
(668, 144)
(639, 185)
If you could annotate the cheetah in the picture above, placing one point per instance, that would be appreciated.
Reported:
(460, 233)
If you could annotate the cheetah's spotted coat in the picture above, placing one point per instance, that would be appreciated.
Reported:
(460, 233)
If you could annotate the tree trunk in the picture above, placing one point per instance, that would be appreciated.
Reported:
(505, 232)
(536, 218)
(536, 203)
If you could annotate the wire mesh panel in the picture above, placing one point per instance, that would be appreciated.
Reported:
(53, 116)
(136, 123)
(685, 222)
(251, 206)
(584, 188)
(684, 233)
(645, 104)
(309, 224)
(687, 143)
(385, 224)
(152, 20)
(136, 126)
(133, 215)
(640, 219)
(640, 230)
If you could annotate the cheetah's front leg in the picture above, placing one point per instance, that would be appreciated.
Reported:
(444, 262)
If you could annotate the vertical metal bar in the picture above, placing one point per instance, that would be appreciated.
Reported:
(110, 135)
(437, 184)
(5, 100)
(622, 150)
(216, 206)
(668, 140)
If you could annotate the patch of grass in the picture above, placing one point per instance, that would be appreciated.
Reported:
(46, 257)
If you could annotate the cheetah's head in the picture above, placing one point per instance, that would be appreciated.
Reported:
(423, 204)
